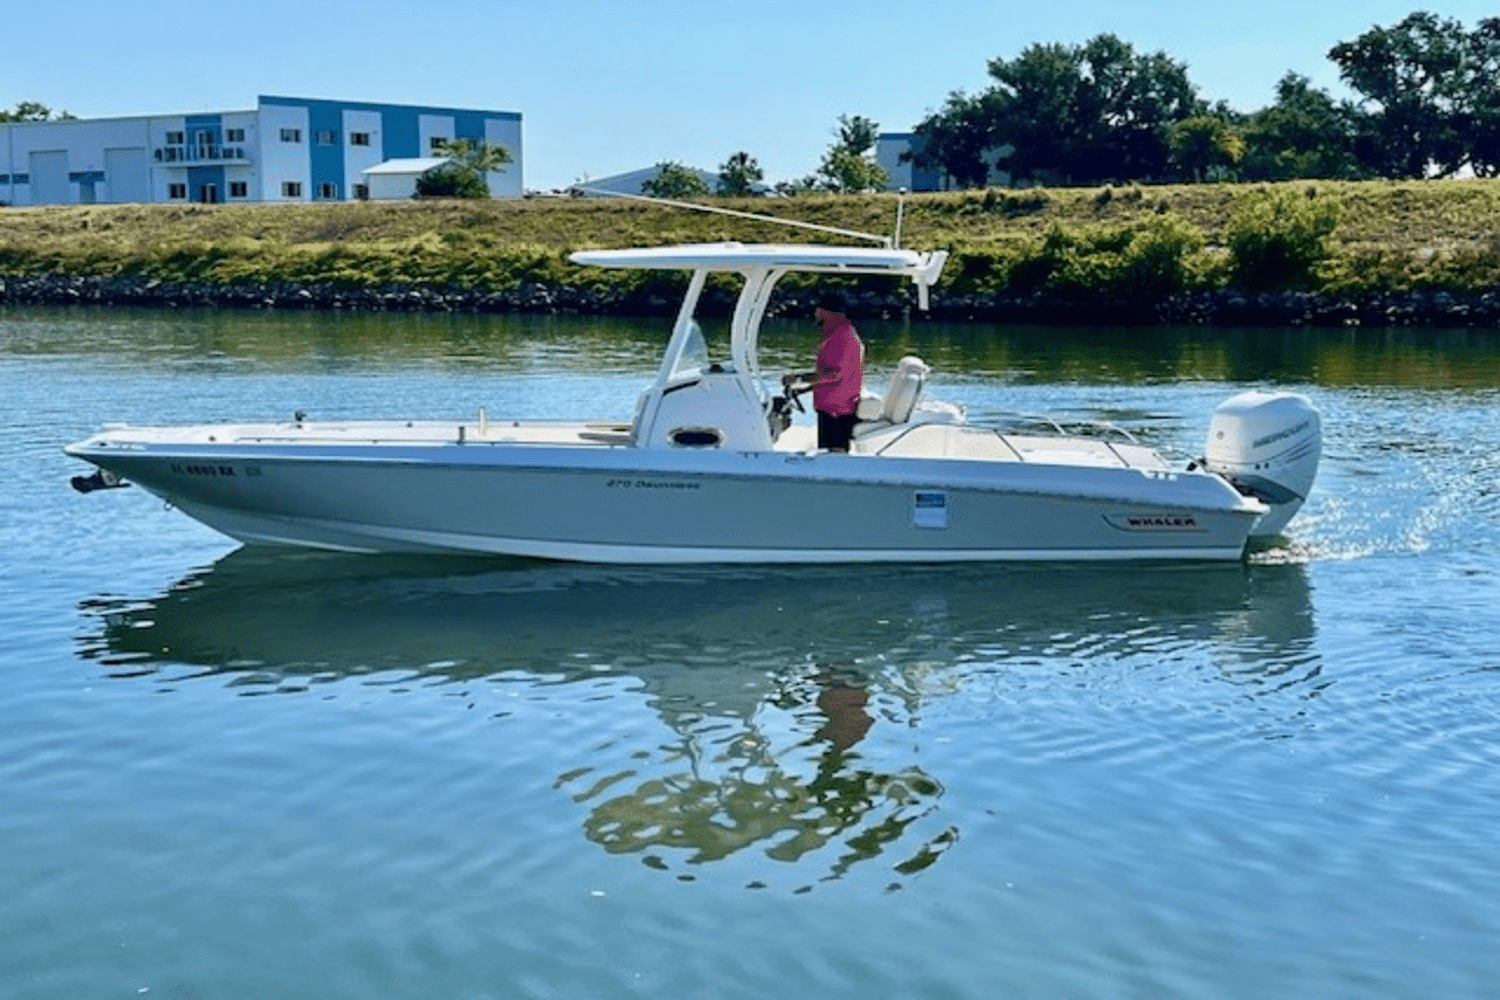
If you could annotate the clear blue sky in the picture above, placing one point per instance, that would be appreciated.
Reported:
(607, 86)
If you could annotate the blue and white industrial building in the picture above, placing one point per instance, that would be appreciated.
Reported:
(287, 149)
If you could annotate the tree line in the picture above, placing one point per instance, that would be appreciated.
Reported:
(1427, 104)
(848, 167)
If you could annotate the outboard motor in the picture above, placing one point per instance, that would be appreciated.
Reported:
(1267, 445)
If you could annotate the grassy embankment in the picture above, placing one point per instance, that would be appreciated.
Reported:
(1120, 241)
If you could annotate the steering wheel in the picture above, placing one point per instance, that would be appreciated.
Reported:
(792, 396)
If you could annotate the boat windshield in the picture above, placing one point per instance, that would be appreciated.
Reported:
(692, 360)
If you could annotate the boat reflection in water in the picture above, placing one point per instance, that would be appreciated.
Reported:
(792, 693)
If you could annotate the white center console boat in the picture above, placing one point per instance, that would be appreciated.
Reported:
(714, 469)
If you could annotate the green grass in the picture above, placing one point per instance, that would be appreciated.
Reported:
(1389, 236)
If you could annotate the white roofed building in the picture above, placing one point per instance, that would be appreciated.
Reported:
(396, 179)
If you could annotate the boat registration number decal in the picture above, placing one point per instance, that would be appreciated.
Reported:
(1154, 522)
(650, 484)
(202, 470)
(929, 509)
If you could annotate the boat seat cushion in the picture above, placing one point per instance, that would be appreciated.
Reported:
(905, 391)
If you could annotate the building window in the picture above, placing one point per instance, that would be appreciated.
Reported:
(176, 138)
(20, 178)
(291, 135)
(362, 192)
(291, 189)
(437, 142)
(176, 191)
(234, 135)
(328, 138)
(328, 191)
(239, 189)
(359, 138)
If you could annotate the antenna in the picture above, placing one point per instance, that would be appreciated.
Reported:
(882, 240)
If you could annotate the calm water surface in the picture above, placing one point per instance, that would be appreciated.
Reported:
(233, 773)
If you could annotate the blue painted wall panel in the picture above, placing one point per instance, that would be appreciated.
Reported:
(468, 125)
(200, 177)
(401, 133)
(327, 158)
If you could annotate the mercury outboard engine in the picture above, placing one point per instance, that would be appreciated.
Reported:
(1267, 445)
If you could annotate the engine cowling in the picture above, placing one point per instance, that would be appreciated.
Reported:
(1267, 445)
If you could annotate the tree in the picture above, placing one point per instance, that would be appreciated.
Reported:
(1080, 113)
(1205, 146)
(857, 134)
(847, 167)
(1412, 81)
(32, 111)
(1305, 133)
(738, 175)
(956, 139)
(1480, 103)
(449, 180)
(673, 180)
(1039, 108)
(465, 173)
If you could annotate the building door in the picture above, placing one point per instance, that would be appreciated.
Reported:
(209, 194)
(125, 175)
(49, 178)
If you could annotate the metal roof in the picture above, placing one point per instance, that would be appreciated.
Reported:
(414, 165)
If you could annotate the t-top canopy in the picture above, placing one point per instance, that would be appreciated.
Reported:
(737, 256)
(922, 268)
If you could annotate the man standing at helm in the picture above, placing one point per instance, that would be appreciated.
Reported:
(839, 377)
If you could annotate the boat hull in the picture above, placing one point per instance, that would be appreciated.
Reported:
(629, 505)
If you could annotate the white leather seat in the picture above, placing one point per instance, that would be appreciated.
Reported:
(905, 390)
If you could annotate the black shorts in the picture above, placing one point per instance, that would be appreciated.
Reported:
(834, 431)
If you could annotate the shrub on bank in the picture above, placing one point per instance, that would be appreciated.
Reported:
(1149, 260)
(1277, 239)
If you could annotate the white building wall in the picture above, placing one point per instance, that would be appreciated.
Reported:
(72, 158)
(284, 160)
(12, 162)
(507, 183)
(159, 128)
(888, 153)
(430, 127)
(358, 159)
(249, 170)
(392, 187)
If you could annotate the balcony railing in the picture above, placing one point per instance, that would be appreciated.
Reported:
(200, 154)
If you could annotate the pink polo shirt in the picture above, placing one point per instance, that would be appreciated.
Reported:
(841, 349)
